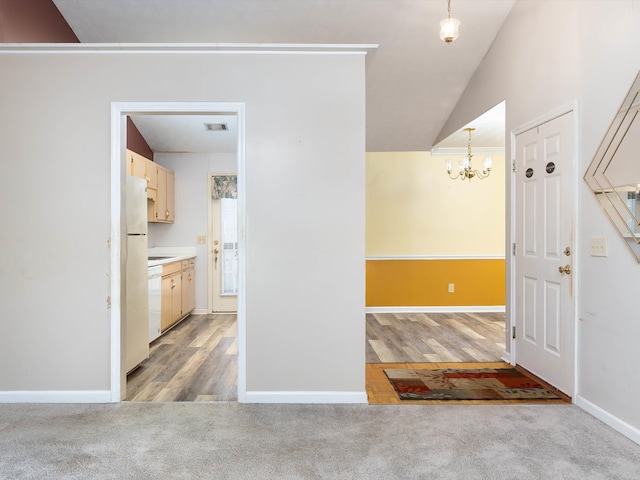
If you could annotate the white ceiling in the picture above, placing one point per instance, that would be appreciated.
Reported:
(187, 133)
(413, 79)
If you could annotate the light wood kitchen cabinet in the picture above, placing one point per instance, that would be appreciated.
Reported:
(142, 167)
(165, 202)
(136, 165)
(188, 286)
(161, 182)
(178, 292)
(171, 304)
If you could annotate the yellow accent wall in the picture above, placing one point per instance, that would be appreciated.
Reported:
(477, 282)
(415, 210)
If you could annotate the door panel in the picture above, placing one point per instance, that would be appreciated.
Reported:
(225, 260)
(544, 225)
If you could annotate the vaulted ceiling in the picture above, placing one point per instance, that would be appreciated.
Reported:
(413, 79)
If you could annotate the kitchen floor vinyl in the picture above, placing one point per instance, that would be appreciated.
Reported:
(195, 361)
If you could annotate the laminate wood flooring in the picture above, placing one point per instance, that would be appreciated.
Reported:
(435, 337)
(195, 361)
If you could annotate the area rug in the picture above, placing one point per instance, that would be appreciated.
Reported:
(466, 384)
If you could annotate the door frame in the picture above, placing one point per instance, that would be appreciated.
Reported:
(511, 307)
(210, 271)
(119, 111)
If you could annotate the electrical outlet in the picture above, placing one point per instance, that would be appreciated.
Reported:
(598, 247)
(451, 287)
(202, 239)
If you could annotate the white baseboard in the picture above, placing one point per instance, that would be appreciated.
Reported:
(200, 311)
(52, 396)
(507, 358)
(451, 309)
(614, 422)
(306, 397)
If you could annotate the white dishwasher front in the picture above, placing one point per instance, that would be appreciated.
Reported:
(155, 301)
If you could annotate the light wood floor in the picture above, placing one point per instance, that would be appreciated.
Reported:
(193, 362)
(435, 337)
(197, 360)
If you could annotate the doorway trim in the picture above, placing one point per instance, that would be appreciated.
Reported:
(119, 111)
(511, 356)
(210, 246)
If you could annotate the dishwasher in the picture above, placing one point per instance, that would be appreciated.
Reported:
(155, 301)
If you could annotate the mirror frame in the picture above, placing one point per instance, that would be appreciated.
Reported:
(619, 201)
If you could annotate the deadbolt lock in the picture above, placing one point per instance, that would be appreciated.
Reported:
(567, 251)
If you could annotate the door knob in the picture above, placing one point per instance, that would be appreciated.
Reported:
(215, 250)
(566, 269)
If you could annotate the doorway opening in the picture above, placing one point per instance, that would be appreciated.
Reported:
(223, 228)
(119, 113)
(381, 346)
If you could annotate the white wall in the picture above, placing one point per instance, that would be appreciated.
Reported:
(305, 295)
(547, 55)
(192, 208)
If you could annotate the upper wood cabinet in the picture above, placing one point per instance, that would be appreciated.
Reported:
(142, 167)
(160, 187)
(165, 203)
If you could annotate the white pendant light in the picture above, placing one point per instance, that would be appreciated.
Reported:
(449, 26)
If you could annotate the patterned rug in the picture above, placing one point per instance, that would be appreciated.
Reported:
(466, 384)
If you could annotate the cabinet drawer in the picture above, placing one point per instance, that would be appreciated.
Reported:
(169, 268)
(188, 263)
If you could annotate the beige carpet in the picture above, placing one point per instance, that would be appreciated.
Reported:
(231, 441)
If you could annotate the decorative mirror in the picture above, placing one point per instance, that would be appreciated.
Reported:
(614, 172)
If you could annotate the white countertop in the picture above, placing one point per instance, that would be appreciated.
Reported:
(170, 254)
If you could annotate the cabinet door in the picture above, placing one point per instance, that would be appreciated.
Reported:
(152, 174)
(161, 202)
(137, 165)
(171, 196)
(166, 313)
(188, 290)
(177, 297)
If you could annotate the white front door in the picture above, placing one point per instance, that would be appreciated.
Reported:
(544, 251)
(224, 255)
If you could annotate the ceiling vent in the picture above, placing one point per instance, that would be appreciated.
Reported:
(215, 127)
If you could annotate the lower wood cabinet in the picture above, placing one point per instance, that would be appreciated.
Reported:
(188, 289)
(178, 292)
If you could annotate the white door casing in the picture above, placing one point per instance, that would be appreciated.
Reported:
(218, 300)
(544, 243)
(119, 110)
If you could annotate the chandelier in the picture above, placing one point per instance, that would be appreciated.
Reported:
(449, 26)
(465, 168)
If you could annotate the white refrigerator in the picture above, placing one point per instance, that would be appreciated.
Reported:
(136, 319)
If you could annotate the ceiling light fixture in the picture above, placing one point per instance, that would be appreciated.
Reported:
(466, 171)
(449, 26)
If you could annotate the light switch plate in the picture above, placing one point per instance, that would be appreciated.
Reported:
(202, 239)
(598, 247)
